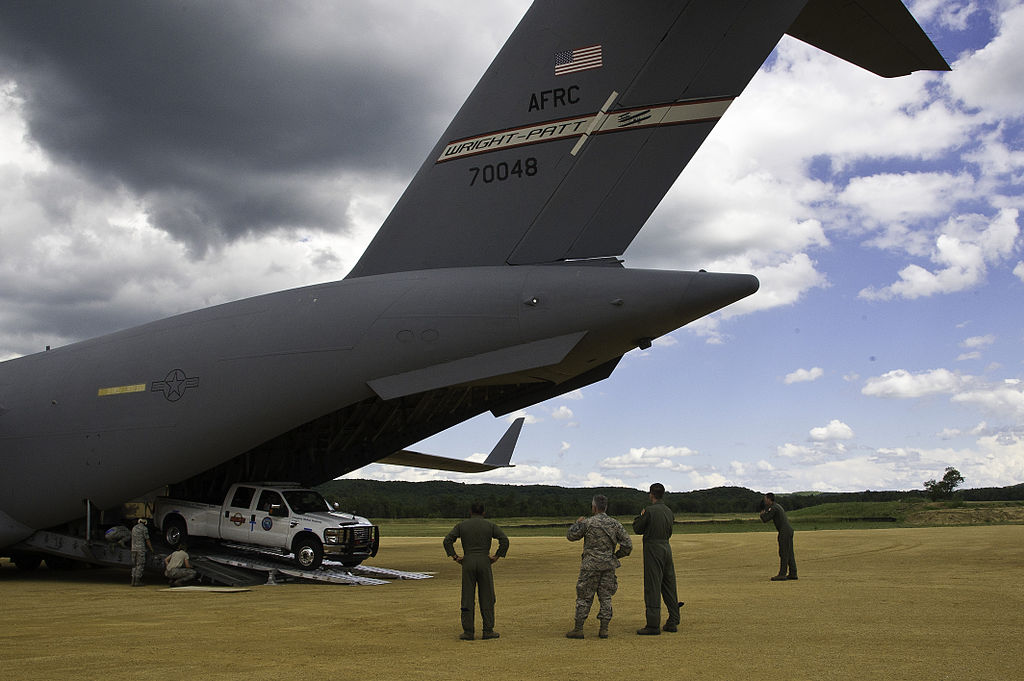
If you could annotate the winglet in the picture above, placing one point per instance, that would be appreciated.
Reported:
(498, 458)
(502, 452)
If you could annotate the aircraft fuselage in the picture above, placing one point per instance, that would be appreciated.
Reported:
(114, 417)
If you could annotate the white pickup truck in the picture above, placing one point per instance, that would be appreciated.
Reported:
(280, 516)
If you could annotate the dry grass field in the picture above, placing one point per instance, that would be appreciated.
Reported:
(908, 604)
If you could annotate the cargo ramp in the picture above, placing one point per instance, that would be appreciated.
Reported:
(226, 564)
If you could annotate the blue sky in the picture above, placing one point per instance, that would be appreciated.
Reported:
(882, 217)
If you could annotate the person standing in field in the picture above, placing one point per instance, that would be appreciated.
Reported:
(140, 543)
(655, 524)
(476, 534)
(600, 534)
(787, 560)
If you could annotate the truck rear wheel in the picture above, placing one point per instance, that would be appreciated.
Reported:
(309, 552)
(175, 532)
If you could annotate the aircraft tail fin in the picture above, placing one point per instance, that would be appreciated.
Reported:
(589, 113)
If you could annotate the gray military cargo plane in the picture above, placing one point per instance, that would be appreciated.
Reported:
(494, 284)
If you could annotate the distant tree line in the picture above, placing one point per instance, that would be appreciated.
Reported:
(443, 499)
(805, 499)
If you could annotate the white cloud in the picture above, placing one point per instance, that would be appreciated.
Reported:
(975, 344)
(1005, 400)
(562, 413)
(999, 458)
(995, 459)
(978, 341)
(852, 474)
(19, 152)
(522, 413)
(963, 253)
(666, 341)
(953, 14)
(990, 78)
(903, 384)
(594, 479)
(792, 451)
(782, 283)
(1000, 399)
(651, 457)
(708, 480)
(891, 197)
(835, 430)
(804, 375)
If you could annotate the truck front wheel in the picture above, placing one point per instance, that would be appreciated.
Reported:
(309, 552)
(175, 532)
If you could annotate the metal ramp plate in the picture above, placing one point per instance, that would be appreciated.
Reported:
(270, 564)
(220, 573)
(331, 571)
(375, 571)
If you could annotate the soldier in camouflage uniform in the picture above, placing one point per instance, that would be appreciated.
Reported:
(140, 542)
(600, 534)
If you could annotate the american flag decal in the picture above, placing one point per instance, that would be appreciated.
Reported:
(581, 59)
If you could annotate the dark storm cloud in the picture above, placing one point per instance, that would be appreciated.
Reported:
(224, 117)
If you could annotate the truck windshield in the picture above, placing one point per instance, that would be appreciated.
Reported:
(306, 501)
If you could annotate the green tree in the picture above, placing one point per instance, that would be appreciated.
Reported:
(943, 489)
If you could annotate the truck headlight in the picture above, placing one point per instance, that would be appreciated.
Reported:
(334, 535)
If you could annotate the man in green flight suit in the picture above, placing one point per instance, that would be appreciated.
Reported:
(787, 561)
(655, 524)
(476, 534)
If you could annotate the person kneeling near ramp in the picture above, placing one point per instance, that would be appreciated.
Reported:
(177, 568)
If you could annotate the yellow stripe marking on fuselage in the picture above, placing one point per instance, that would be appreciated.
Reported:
(122, 390)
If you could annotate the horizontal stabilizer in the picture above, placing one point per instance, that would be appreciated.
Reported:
(499, 457)
(508, 360)
(878, 35)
